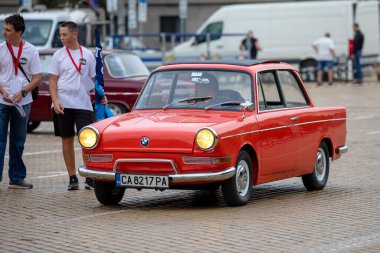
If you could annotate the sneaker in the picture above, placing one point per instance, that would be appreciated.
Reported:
(89, 183)
(73, 184)
(20, 185)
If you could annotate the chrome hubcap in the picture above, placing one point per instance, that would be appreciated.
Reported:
(320, 165)
(242, 178)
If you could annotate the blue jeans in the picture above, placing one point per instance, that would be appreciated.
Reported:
(17, 135)
(357, 66)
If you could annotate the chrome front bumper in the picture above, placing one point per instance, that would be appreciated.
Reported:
(176, 178)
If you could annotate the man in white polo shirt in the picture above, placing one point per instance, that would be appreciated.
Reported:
(71, 80)
(16, 98)
(325, 55)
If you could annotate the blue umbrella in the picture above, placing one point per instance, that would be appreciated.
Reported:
(101, 111)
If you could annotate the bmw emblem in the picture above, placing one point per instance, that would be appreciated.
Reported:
(144, 141)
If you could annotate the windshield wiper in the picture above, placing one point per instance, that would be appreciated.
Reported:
(228, 103)
(188, 100)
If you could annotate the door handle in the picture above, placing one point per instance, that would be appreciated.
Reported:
(294, 119)
(219, 46)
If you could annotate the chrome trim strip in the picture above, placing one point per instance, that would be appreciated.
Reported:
(178, 178)
(319, 121)
(280, 127)
(274, 128)
(145, 160)
(234, 135)
(343, 149)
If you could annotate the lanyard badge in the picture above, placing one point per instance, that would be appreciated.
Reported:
(16, 61)
(80, 60)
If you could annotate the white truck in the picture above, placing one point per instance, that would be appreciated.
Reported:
(42, 28)
(286, 31)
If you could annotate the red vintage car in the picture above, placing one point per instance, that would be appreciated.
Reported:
(124, 76)
(207, 125)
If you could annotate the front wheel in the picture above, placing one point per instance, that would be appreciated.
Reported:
(237, 189)
(317, 180)
(107, 193)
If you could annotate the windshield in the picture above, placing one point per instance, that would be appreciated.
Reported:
(196, 89)
(36, 31)
(125, 65)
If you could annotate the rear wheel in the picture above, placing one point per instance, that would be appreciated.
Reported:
(32, 125)
(317, 180)
(237, 190)
(107, 193)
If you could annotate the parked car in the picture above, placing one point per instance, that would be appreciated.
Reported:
(209, 124)
(124, 76)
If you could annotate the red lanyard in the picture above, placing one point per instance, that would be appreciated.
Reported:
(16, 61)
(80, 60)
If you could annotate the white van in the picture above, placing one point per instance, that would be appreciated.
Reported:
(42, 28)
(286, 30)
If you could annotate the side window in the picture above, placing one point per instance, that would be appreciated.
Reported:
(271, 98)
(215, 29)
(56, 38)
(293, 93)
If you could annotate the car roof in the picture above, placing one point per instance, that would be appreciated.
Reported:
(245, 63)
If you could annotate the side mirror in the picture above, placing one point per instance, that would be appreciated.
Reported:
(247, 105)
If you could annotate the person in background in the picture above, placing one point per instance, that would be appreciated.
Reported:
(325, 55)
(358, 46)
(251, 44)
(71, 79)
(15, 90)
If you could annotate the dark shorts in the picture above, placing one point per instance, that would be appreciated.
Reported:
(325, 65)
(64, 123)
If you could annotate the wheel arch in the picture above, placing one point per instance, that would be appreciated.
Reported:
(329, 145)
(255, 162)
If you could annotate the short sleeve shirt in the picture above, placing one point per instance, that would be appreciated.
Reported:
(30, 62)
(73, 88)
(324, 45)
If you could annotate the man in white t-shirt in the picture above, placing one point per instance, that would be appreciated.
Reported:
(325, 55)
(16, 98)
(71, 80)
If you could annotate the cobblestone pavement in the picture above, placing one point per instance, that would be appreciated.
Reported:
(280, 217)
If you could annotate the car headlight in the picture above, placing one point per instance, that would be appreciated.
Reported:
(88, 137)
(206, 139)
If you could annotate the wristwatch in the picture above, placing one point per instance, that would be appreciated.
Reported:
(24, 93)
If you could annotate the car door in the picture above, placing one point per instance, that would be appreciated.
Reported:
(298, 102)
(278, 138)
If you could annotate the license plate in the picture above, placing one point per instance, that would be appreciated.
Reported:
(142, 181)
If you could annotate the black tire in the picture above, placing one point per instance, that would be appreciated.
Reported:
(317, 180)
(107, 193)
(32, 125)
(237, 189)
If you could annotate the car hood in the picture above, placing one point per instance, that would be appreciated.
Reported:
(167, 131)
